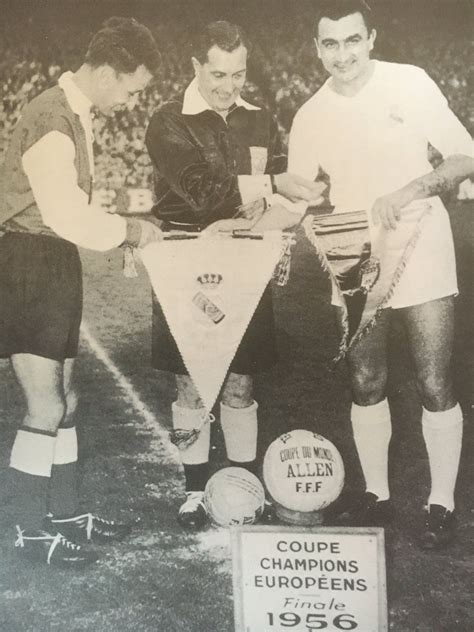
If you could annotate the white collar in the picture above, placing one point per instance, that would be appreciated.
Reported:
(195, 103)
(77, 100)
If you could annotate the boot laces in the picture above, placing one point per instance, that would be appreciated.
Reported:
(87, 519)
(55, 540)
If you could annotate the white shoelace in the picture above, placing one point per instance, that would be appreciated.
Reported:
(57, 539)
(89, 524)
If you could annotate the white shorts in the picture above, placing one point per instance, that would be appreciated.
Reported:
(431, 269)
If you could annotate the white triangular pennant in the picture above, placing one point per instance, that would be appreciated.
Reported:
(209, 288)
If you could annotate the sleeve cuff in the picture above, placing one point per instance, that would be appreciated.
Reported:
(254, 187)
(298, 208)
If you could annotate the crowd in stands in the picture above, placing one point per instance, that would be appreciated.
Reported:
(284, 71)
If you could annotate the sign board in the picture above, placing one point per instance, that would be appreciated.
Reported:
(307, 579)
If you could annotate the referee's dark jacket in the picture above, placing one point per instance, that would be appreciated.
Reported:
(198, 157)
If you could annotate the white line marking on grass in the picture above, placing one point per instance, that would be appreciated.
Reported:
(215, 542)
(160, 441)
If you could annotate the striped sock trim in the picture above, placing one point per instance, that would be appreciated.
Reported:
(39, 431)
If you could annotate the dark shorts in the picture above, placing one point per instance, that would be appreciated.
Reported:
(256, 353)
(40, 296)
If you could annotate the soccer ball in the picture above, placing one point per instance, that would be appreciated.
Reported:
(234, 496)
(303, 471)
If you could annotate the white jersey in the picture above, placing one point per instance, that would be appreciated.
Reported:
(376, 142)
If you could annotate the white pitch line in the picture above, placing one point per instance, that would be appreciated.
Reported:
(208, 541)
(161, 442)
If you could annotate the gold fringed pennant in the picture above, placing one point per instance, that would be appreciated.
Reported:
(364, 272)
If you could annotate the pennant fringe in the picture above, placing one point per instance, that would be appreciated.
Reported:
(283, 267)
(309, 225)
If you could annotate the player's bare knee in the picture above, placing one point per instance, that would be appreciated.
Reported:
(45, 414)
(368, 387)
(436, 394)
(238, 391)
(188, 400)
(187, 395)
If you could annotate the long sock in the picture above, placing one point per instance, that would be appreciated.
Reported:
(64, 499)
(240, 429)
(372, 430)
(30, 471)
(196, 477)
(442, 432)
(195, 457)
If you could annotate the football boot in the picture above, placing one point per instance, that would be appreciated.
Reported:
(365, 510)
(268, 515)
(193, 514)
(52, 548)
(439, 527)
(90, 528)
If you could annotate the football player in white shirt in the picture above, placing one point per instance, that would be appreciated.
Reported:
(368, 128)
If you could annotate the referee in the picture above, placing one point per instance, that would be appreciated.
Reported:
(218, 166)
(45, 213)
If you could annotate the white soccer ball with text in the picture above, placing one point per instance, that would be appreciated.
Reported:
(234, 496)
(303, 471)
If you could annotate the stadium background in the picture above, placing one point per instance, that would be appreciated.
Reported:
(151, 582)
(40, 38)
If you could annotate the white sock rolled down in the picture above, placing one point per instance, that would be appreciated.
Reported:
(442, 432)
(188, 419)
(240, 429)
(33, 452)
(372, 428)
(65, 448)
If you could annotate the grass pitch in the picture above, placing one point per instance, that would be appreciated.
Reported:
(162, 579)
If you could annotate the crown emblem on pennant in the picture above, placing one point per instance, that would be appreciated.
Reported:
(210, 280)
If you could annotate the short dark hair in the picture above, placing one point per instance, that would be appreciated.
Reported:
(337, 9)
(225, 35)
(123, 44)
